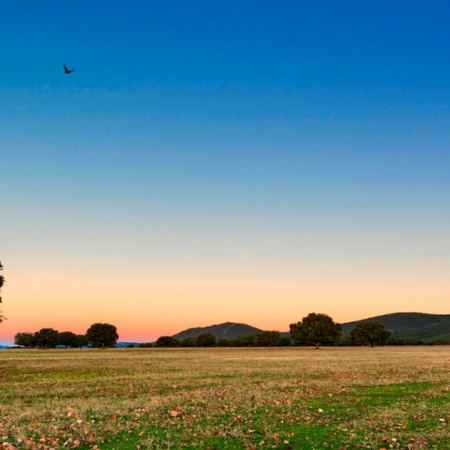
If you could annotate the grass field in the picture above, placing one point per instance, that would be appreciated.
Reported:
(285, 398)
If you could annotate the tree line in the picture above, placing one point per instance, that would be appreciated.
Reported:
(314, 329)
(99, 335)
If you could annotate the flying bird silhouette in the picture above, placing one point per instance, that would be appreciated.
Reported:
(67, 71)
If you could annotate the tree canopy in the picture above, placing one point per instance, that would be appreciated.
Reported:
(167, 341)
(68, 339)
(205, 340)
(102, 335)
(267, 338)
(46, 338)
(372, 332)
(25, 339)
(316, 329)
(2, 279)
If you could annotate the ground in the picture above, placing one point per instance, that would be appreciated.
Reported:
(226, 398)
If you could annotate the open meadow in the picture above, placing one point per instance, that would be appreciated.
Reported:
(236, 398)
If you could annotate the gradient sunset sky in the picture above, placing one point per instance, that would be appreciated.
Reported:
(212, 161)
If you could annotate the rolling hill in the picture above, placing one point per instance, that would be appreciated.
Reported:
(425, 327)
(227, 330)
(421, 326)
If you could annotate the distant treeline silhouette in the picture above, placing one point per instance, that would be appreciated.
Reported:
(314, 329)
(100, 335)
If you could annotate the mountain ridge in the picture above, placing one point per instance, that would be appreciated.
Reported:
(226, 330)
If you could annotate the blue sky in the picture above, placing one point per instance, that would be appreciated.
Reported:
(295, 138)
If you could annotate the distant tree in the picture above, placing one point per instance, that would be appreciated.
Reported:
(223, 342)
(82, 341)
(68, 339)
(267, 338)
(146, 345)
(26, 339)
(411, 340)
(205, 340)
(102, 335)
(373, 333)
(245, 340)
(188, 342)
(2, 279)
(316, 329)
(167, 341)
(46, 338)
(2, 282)
(285, 341)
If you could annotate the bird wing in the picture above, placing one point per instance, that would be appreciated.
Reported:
(65, 68)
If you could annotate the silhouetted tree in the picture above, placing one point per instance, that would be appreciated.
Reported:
(372, 332)
(46, 338)
(167, 341)
(25, 339)
(188, 342)
(2, 282)
(82, 341)
(245, 340)
(285, 341)
(68, 339)
(205, 340)
(102, 335)
(223, 342)
(267, 338)
(316, 329)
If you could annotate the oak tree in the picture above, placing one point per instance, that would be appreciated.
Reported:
(102, 335)
(316, 329)
(205, 340)
(371, 332)
(267, 338)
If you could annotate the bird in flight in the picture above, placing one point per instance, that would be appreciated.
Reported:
(67, 71)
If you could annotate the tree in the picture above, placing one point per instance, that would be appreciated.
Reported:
(167, 341)
(46, 338)
(205, 340)
(223, 342)
(82, 341)
(68, 339)
(2, 282)
(188, 342)
(371, 332)
(316, 329)
(267, 338)
(102, 335)
(285, 341)
(26, 339)
(244, 340)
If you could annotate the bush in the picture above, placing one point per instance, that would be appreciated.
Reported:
(205, 340)
(167, 341)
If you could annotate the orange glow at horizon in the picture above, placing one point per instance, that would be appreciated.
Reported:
(144, 307)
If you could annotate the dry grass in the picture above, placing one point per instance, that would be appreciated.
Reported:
(226, 398)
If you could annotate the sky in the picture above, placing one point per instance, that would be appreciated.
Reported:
(244, 161)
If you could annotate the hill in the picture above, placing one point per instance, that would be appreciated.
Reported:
(426, 327)
(227, 330)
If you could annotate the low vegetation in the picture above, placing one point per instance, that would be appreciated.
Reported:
(233, 398)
